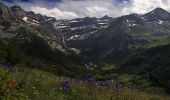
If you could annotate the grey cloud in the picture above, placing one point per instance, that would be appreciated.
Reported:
(93, 8)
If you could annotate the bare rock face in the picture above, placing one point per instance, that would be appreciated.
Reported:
(5, 12)
(18, 11)
(157, 14)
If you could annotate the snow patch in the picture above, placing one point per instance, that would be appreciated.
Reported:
(36, 21)
(134, 25)
(77, 51)
(33, 22)
(73, 37)
(49, 19)
(83, 27)
(61, 27)
(25, 19)
(102, 23)
(73, 21)
(131, 22)
(144, 18)
(160, 22)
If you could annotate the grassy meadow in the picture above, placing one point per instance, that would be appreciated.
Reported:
(22, 83)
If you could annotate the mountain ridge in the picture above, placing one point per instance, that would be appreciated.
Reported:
(72, 47)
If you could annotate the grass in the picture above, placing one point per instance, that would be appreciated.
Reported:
(155, 40)
(158, 42)
(34, 84)
(140, 34)
(108, 67)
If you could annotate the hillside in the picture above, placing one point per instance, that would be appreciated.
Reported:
(26, 84)
(38, 53)
(134, 48)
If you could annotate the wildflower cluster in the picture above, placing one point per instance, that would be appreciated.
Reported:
(117, 85)
(7, 64)
(89, 77)
(66, 85)
(103, 84)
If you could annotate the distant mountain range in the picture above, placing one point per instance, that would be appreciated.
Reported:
(134, 47)
(127, 32)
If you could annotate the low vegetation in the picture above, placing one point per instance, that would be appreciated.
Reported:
(22, 83)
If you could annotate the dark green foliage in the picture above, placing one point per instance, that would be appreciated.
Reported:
(151, 64)
(28, 46)
(3, 52)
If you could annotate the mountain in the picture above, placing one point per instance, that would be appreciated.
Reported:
(157, 14)
(79, 28)
(136, 47)
(5, 12)
(26, 37)
(131, 48)
(151, 65)
(105, 17)
(18, 11)
(128, 32)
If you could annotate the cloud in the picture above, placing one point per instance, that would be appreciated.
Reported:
(96, 9)
(92, 8)
(77, 8)
(55, 12)
(89, 8)
(143, 6)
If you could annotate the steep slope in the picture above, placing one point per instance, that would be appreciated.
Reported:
(150, 65)
(5, 12)
(126, 33)
(128, 43)
(16, 17)
(18, 11)
(156, 15)
(26, 40)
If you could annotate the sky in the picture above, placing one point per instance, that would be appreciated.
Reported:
(69, 9)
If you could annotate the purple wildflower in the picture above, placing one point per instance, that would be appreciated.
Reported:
(66, 85)
(89, 77)
(103, 84)
(7, 64)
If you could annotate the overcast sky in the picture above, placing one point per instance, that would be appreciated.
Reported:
(69, 9)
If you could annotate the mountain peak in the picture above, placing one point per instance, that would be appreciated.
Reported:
(106, 17)
(5, 12)
(157, 14)
(18, 11)
(159, 10)
(1, 3)
(16, 7)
